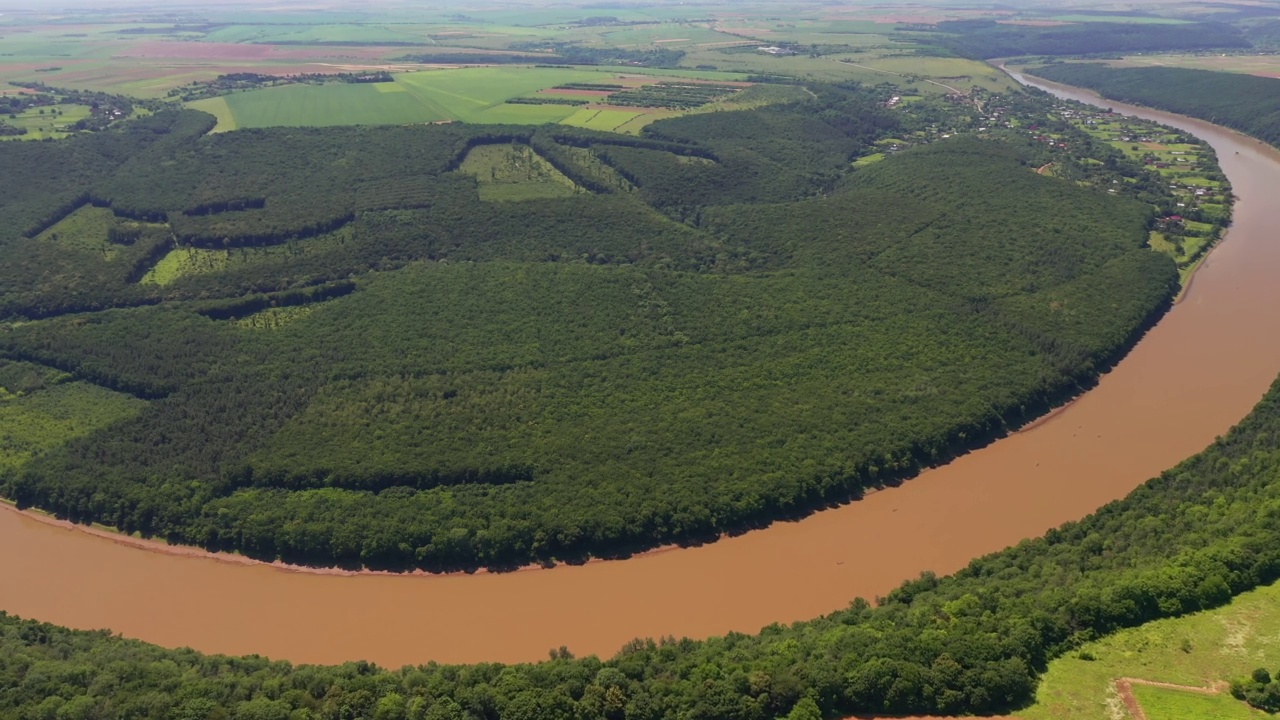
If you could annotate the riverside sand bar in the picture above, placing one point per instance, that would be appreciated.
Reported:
(1195, 374)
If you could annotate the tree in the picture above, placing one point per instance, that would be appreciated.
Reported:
(806, 709)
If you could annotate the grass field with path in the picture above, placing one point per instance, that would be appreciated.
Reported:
(1197, 650)
(1161, 703)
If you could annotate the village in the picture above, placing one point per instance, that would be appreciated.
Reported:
(1162, 166)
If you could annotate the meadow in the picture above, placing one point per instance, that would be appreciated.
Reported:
(1202, 650)
(41, 408)
(514, 172)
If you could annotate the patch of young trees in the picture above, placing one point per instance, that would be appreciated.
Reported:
(1260, 690)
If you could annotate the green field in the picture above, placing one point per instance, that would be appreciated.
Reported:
(220, 109)
(1197, 650)
(475, 95)
(320, 105)
(606, 120)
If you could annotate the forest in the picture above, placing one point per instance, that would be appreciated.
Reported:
(839, 329)
(984, 39)
(1247, 103)
(974, 642)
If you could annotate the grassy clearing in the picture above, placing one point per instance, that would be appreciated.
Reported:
(515, 172)
(86, 230)
(185, 261)
(1197, 650)
(274, 318)
(41, 419)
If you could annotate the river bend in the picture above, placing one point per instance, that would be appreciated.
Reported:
(1193, 376)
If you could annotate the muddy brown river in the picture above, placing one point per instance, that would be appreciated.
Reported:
(1193, 376)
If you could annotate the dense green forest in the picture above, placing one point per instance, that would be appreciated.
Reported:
(990, 39)
(970, 643)
(621, 379)
(1246, 103)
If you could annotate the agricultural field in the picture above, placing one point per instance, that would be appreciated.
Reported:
(150, 59)
(597, 119)
(1205, 650)
(481, 95)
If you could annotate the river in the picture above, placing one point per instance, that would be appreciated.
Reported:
(1188, 380)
